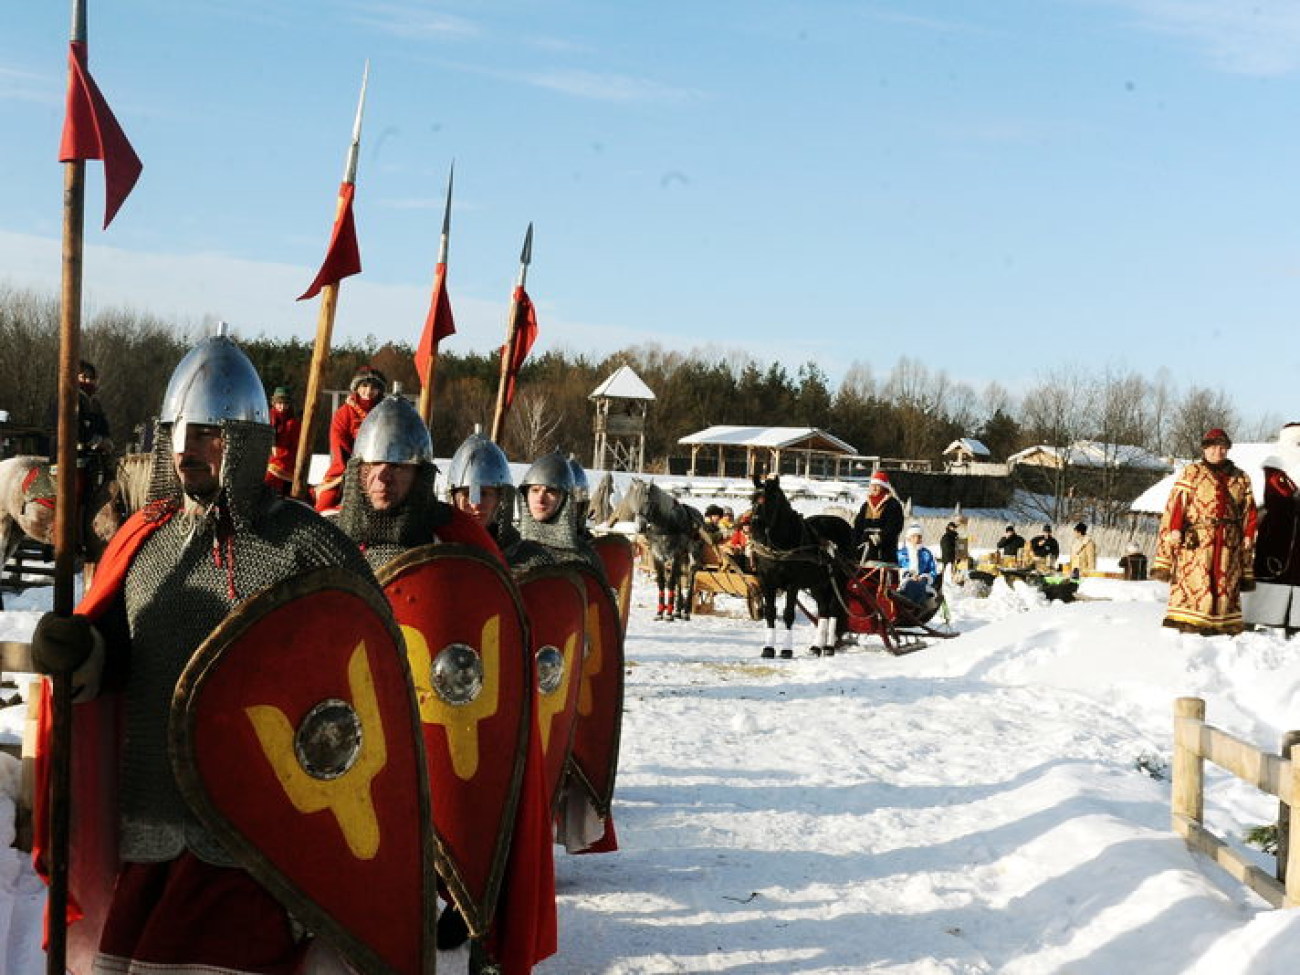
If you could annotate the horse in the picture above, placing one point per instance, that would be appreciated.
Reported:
(792, 553)
(27, 491)
(673, 531)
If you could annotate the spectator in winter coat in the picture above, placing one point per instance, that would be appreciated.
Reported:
(1045, 546)
(1084, 556)
(1133, 563)
(1010, 544)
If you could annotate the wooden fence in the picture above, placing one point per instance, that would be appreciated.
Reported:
(32, 565)
(1194, 743)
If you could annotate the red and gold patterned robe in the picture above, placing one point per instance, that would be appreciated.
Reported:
(1214, 510)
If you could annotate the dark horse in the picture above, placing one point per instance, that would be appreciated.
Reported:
(792, 553)
(672, 530)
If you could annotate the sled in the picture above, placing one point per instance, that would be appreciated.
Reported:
(721, 574)
(874, 608)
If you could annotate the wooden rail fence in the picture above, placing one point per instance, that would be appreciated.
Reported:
(1278, 775)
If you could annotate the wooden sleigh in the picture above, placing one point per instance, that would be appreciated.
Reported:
(720, 573)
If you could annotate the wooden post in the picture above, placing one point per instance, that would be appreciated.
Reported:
(1188, 799)
(1292, 869)
(1289, 741)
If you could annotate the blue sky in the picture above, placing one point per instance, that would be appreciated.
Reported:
(997, 188)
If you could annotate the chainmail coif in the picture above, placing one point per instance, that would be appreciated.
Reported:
(385, 535)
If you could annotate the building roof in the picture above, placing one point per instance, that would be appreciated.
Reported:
(623, 383)
(970, 445)
(1092, 453)
(773, 438)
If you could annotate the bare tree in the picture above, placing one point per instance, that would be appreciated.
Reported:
(534, 424)
(1198, 410)
(1056, 415)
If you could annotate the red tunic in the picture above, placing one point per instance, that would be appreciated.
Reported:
(284, 451)
(343, 435)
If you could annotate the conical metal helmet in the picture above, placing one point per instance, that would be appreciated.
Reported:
(393, 433)
(551, 470)
(214, 382)
(478, 463)
(581, 486)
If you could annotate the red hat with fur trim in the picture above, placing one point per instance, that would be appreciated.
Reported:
(880, 479)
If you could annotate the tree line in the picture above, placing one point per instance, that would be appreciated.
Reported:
(912, 411)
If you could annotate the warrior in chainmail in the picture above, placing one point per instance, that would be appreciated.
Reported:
(553, 514)
(479, 483)
(389, 504)
(210, 536)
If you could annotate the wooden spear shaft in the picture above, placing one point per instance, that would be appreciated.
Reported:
(507, 355)
(329, 302)
(512, 340)
(65, 548)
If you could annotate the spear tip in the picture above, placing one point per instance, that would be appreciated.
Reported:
(526, 257)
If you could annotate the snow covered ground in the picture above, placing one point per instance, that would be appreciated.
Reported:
(985, 805)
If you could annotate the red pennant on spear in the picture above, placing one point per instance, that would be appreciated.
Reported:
(439, 323)
(91, 130)
(343, 258)
(521, 332)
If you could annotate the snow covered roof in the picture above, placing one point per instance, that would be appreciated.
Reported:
(623, 383)
(1090, 453)
(774, 438)
(967, 445)
(1249, 457)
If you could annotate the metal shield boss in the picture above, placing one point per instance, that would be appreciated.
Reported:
(593, 758)
(556, 600)
(619, 559)
(467, 642)
(296, 740)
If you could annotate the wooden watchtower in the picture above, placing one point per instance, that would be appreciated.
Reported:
(621, 401)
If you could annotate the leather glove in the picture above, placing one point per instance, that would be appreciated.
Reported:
(61, 644)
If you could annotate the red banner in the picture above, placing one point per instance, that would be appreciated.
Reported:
(344, 256)
(437, 326)
(525, 332)
(90, 131)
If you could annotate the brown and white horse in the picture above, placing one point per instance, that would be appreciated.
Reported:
(27, 504)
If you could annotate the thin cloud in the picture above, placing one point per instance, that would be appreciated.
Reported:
(1252, 37)
(414, 21)
(600, 87)
(25, 86)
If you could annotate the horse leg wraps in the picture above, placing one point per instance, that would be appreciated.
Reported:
(826, 633)
(769, 644)
(787, 647)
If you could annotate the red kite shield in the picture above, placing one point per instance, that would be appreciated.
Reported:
(594, 756)
(296, 740)
(556, 600)
(467, 641)
(619, 559)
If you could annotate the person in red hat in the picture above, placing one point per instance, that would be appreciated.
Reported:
(1206, 542)
(1276, 598)
(879, 522)
(365, 390)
